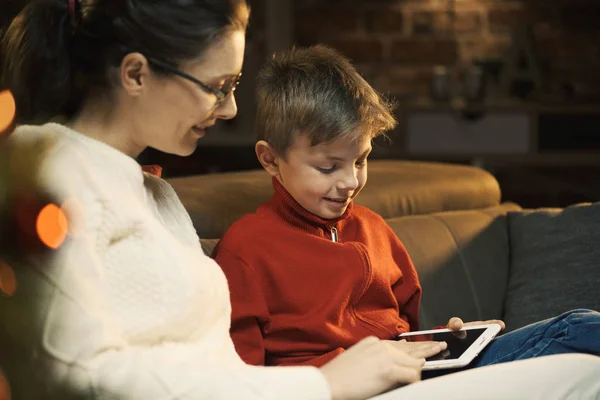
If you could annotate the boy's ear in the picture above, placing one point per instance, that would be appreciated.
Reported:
(267, 157)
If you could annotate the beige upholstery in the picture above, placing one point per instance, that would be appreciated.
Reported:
(394, 188)
(448, 217)
(462, 258)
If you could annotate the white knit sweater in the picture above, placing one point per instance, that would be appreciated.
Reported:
(129, 307)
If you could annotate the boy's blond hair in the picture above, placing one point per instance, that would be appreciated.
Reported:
(316, 91)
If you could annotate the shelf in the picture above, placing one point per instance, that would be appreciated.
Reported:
(497, 105)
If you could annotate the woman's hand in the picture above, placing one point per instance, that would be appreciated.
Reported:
(420, 349)
(373, 366)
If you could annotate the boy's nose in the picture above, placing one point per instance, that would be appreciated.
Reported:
(350, 182)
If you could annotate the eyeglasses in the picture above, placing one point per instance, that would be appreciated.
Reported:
(221, 94)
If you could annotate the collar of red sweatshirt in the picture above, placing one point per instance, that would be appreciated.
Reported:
(293, 213)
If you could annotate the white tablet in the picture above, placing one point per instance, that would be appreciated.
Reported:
(463, 345)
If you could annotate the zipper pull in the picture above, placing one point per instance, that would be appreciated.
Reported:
(334, 234)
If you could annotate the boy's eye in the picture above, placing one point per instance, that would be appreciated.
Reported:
(361, 163)
(326, 170)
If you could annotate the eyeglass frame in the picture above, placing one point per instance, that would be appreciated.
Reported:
(220, 94)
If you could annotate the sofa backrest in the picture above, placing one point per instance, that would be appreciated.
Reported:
(462, 258)
(394, 188)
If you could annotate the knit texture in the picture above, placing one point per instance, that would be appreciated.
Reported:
(129, 307)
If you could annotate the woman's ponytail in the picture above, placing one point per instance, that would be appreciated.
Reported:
(57, 53)
(36, 61)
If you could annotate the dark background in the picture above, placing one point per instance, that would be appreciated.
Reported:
(396, 45)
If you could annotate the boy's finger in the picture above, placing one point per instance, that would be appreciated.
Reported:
(455, 324)
(488, 322)
(499, 322)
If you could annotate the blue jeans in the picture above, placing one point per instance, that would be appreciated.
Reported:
(576, 331)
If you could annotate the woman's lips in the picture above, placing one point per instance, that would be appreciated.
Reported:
(199, 131)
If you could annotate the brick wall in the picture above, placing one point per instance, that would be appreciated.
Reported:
(395, 43)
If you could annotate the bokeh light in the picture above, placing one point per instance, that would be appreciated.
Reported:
(7, 110)
(4, 388)
(8, 281)
(52, 226)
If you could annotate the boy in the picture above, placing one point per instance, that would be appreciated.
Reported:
(311, 273)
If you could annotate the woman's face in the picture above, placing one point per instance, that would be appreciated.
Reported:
(174, 112)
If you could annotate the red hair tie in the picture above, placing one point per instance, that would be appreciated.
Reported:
(72, 15)
(72, 8)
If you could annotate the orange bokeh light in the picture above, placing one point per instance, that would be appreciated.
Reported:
(8, 282)
(52, 226)
(8, 109)
(4, 388)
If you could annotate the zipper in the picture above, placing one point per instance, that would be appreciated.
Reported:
(334, 234)
(371, 325)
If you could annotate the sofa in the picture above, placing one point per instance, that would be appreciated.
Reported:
(477, 257)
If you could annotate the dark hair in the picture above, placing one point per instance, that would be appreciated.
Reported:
(50, 64)
(316, 91)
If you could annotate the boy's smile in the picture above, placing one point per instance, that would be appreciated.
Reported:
(341, 203)
(325, 178)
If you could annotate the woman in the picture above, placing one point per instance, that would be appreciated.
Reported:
(130, 307)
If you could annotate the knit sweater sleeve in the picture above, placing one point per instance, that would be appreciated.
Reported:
(64, 312)
(87, 352)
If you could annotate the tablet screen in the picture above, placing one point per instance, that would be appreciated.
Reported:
(458, 342)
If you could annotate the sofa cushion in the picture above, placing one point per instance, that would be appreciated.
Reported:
(555, 263)
(462, 261)
(394, 188)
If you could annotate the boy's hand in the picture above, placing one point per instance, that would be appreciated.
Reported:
(456, 324)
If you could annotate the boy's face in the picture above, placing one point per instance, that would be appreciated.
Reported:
(326, 177)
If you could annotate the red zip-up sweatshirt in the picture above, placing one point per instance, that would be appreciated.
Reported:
(300, 297)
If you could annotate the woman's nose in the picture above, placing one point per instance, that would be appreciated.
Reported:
(227, 109)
